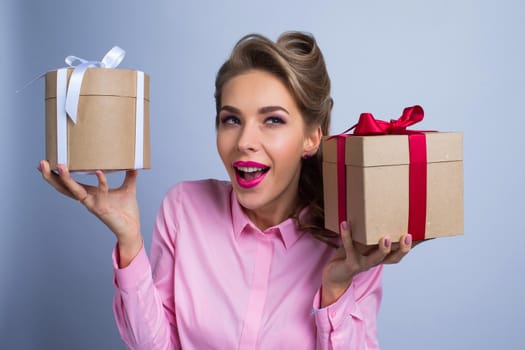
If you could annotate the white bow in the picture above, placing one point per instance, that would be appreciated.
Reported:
(111, 60)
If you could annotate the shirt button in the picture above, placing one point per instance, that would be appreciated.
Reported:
(333, 314)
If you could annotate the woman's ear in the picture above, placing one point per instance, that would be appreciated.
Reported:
(312, 141)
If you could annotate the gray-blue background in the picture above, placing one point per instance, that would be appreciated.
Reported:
(461, 60)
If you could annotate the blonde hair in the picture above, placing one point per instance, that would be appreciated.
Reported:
(298, 62)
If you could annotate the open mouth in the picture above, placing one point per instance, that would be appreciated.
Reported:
(250, 174)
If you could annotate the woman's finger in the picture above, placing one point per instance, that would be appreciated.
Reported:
(346, 237)
(102, 181)
(378, 256)
(79, 192)
(405, 244)
(130, 180)
(53, 179)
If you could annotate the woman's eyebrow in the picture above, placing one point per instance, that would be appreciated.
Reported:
(230, 109)
(262, 110)
(269, 109)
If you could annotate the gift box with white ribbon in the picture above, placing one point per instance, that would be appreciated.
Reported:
(97, 117)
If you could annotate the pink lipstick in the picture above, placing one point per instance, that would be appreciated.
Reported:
(249, 174)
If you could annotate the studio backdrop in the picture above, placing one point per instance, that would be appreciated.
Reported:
(461, 60)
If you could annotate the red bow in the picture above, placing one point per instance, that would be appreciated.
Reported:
(368, 125)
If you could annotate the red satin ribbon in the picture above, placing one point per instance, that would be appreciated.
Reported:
(368, 125)
(341, 177)
(417, 182)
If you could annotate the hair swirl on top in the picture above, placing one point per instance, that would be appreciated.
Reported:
(298, 62)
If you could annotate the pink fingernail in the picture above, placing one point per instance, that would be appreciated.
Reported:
(408, 239)
(388, 241)
(344, 225)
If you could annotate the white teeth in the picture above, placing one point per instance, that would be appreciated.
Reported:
(248, 169)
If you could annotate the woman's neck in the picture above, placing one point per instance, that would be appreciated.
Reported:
(271, 215)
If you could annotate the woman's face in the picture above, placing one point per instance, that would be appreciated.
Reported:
(261, 139)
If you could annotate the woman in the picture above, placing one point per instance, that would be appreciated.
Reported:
(246, 264)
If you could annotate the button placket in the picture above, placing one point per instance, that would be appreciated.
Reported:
(258, 292)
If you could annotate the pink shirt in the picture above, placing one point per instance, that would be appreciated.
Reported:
(215, 281)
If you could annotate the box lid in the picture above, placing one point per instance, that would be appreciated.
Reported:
(380, 150)
(102, 82)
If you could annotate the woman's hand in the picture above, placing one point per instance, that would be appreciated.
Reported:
(117, 208)
(349, 260)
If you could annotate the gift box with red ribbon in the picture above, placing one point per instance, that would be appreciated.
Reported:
(387, 180)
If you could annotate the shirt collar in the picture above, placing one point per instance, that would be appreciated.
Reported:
(287, 230)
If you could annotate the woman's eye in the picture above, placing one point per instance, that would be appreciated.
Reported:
(274, 120)
(230, 120)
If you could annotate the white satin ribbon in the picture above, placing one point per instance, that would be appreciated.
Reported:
(62, 157)
(139, 122)
(111, 60)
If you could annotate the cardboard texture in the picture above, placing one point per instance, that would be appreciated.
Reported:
(104, 134)
(377, 176)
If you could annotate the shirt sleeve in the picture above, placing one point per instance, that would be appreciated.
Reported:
(143, 304)
(351, 322)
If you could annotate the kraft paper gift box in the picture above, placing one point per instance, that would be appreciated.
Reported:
(387, 190)
(111, 131)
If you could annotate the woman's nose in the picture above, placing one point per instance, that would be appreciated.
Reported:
(248, 139)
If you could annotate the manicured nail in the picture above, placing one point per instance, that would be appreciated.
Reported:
(388, 242)
(408, 239)
(39, 167)
(59, 171)
(344, 225)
